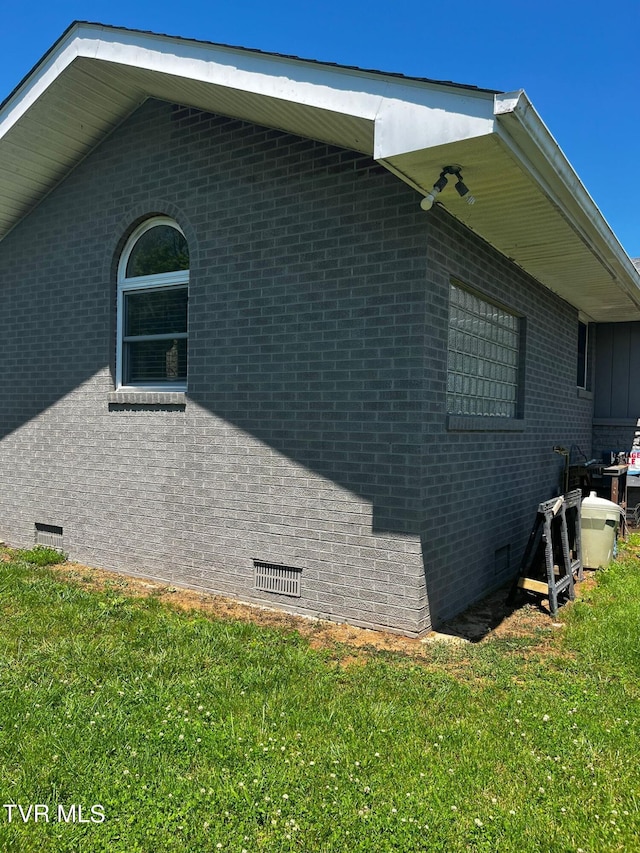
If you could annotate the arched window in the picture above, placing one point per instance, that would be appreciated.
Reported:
(153, 280)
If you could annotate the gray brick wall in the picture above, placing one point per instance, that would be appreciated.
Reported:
(481, 488)
(314, 432)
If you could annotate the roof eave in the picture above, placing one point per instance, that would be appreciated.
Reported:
(531, 204)
(518, 120)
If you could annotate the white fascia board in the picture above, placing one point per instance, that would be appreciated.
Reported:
(522, 130)
(431, 117)
(272, 76)
(337, 90)
(40, 79)
(408, 115)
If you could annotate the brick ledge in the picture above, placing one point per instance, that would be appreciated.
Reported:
(148, 398)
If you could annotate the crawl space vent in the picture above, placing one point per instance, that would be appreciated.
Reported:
(49, 534)
(271, 577)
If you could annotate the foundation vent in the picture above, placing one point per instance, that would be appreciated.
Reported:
(49, 534)
(271, 577)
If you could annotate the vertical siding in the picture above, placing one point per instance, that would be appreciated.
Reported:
(617, 388)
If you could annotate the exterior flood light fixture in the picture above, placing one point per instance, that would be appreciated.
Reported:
(428, 200)
(461, 188)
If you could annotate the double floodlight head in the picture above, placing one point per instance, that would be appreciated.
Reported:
(461, 188)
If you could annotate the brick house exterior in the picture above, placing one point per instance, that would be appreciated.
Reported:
(314, 432)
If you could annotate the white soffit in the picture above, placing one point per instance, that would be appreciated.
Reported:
(95, 76)
(530, 204)
(549, 236)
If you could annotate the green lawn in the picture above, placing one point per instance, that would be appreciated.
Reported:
(190, 734)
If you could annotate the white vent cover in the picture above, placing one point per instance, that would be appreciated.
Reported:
(283, 580)
(48, 534)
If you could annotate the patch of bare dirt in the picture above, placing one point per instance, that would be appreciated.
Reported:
(490, 617)
(529, 616)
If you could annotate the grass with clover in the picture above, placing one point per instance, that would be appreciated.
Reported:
(195, 734)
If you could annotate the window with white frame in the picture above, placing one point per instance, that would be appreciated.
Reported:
(484, 356)
(153, 282)
(582, 377)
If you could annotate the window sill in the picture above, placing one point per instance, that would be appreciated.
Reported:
(484, 423)
(147, 398)
(583, 394)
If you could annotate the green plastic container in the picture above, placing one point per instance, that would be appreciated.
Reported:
(600, 520)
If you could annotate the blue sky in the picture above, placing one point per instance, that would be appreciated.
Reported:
(579, 62)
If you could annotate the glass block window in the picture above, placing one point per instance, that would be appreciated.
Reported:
(483, 361)
(153, 278)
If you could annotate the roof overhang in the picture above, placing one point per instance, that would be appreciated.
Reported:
(530, 203)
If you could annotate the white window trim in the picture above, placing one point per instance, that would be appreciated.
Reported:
(586, 378)
(144, 282)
